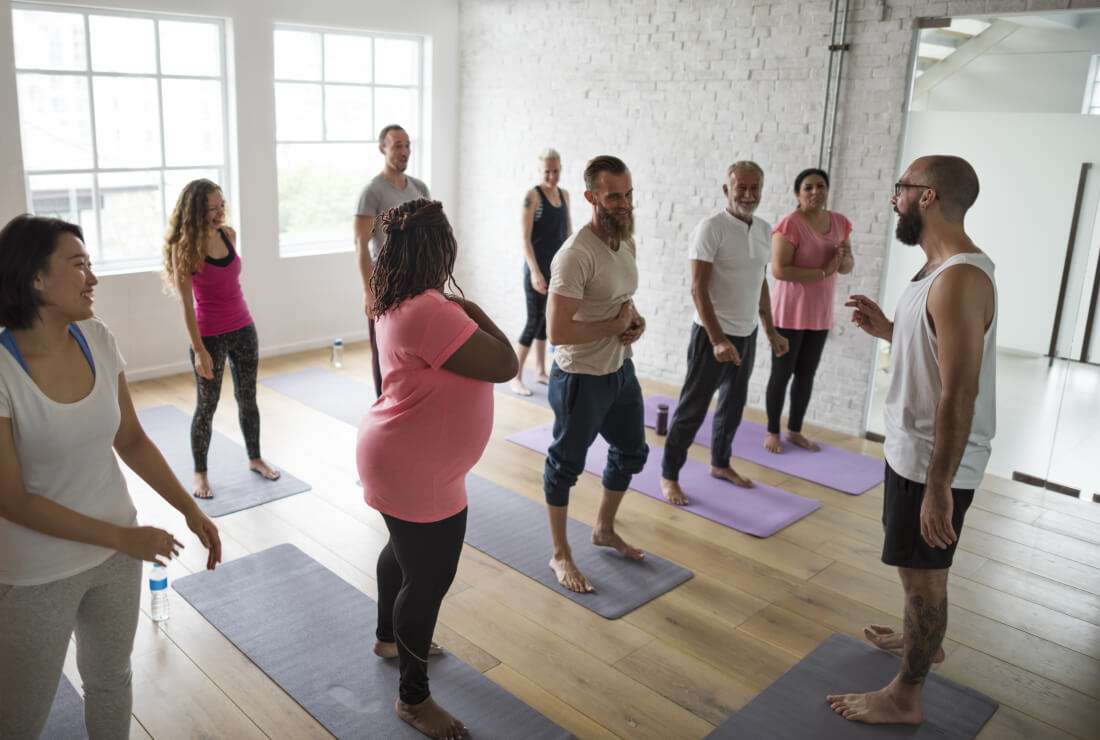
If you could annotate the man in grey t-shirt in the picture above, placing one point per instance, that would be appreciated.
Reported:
(389, 189)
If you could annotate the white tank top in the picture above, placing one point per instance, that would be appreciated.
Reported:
(915, 387)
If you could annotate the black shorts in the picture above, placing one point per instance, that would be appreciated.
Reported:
(904, 546)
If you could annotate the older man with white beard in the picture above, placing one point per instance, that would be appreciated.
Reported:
(730, 252)
(592, 321)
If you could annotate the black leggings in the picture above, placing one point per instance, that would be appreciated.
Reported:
(415, 569)
(801, 361)
(535, 328)
(243, 350)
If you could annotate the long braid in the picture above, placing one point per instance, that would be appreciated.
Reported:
(417, 254)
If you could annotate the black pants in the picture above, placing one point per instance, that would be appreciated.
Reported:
(535, 328)
(415, 569)
(801, 362)
(242, 349)
(705, 375)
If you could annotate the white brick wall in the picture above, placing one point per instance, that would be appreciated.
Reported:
(678, 90)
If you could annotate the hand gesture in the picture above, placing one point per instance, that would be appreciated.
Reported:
(199, 523)
(869, 317)
(150, 543)
(935, 517)
(635, 330)
(724, 351)
(204, 365)
(538, 282)
(625, 317)
(780, 344)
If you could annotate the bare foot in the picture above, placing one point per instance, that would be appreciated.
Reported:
(886, 638)
(772, 443)
(389, 649)
(569, 575)
(431, 719)
(259, 466)
(796, 438)
(202, 489)
(542, 377)
(732, 476)
(881, 707)
(672, 492)
(517, 387)
(610, 539)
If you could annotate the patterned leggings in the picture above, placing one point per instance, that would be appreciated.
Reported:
(243, 350)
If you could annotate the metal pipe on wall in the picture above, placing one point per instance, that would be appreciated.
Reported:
(837, 47)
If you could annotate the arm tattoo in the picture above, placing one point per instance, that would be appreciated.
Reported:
(527, 201)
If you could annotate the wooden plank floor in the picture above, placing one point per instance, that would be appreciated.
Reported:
(1025, 595)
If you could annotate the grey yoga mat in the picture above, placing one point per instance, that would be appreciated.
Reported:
(514, 530)
(538, 390)
(794, 707)
(311, 632)
(334, 393)
(66, 720)
(235, 486)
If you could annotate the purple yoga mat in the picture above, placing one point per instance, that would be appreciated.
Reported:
(847, 472)
(760, 511)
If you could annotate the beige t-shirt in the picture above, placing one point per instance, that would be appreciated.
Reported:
(587, 269)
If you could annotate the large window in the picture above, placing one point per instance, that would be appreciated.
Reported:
(334, 90)
(1092, 90)
(117, 112)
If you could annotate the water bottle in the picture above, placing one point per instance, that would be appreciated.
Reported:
(338, 353)
(662, 419)
(158, 591)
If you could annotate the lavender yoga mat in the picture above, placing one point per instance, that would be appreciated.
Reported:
(847, 472)
(760, 511)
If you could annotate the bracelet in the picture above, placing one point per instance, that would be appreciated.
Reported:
(823, 275)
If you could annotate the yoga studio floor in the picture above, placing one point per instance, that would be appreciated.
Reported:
(1024, 621)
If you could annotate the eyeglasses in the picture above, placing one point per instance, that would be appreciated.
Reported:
(899, 185)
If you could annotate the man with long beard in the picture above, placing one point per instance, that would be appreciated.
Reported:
(591, 319)
(730, 252)
(940, 419)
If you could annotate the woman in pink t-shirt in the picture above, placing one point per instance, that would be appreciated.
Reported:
(439, 356)
(202, 266)
(809, 247)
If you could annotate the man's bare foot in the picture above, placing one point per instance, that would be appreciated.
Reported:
(431, 719)
(569, 575)
(516, 385)
(611, 539)
(772, 443)
(261, 467)
(202, 489)
(797, 438)
(389, 649)
(732, 476)
(542, 377)
(886, 638)
(882, 707)
(672, 492)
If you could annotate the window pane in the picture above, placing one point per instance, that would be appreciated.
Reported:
(175, 180)
(127, 126)
(189, 49)
(67, 197)
(347, 113)
(130, 215)
(192, 122)
(395, 105)
(48, 40)
(396, 62)
(122, 44)
(297, 111)
(297, 55)
(319, 185)
(54, 122)
(347, 58)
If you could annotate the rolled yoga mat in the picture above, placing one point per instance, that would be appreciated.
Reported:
(312, 633)
(66, 720)
(334, 393)
(235, 486)
(794, 707)
(760, 511)
(513, 529)
(847, 472)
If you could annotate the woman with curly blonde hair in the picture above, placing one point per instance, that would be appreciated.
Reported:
(202, 266)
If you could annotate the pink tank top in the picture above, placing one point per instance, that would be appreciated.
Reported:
(219, 301)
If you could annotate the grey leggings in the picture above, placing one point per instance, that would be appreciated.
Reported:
(35, 625)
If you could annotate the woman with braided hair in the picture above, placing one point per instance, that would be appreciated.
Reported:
(439, 356)
(202, 266)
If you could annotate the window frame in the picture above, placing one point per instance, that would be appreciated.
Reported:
(1091, 104)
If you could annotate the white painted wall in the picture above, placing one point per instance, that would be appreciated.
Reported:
(1028, 165)
(297, 302)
